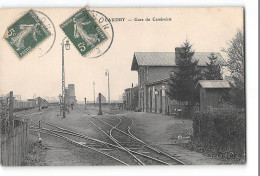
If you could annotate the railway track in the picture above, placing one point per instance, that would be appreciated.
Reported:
(129, 142)
(101, 143)
(132, 146)
(137, 160)
(58, 133)
(63, 133)
(154, 151)
(124, 153)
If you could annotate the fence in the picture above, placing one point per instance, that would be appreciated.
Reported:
(13, 135)
(14, 145)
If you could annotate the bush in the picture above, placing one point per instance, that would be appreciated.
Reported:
(224, 132)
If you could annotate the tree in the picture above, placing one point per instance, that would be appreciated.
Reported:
(181, 85)
(236, 65)
(213, 71)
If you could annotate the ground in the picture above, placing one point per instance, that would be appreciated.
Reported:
(166, 133)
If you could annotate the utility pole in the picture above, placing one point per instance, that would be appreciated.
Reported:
(94, 92)
(108, 86)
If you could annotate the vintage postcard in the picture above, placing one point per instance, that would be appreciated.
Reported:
(122, 86)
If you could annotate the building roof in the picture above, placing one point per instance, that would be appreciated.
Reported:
(209, 84)
(168, 59)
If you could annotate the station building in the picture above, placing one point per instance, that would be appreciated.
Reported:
(154, 69)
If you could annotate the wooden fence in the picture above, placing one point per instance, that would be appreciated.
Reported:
(14, 145)
(13, 135)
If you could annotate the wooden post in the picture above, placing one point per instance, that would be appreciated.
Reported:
(99, 99)
(85, 103)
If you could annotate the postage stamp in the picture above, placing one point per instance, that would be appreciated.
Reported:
(26, 33)
(84, 31)
(104, 21)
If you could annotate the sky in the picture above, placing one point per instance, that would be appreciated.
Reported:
(207, 29)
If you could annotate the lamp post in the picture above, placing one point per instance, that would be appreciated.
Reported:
(108, 86)
(67, 46)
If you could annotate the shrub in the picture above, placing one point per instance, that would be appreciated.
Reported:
(223, 131)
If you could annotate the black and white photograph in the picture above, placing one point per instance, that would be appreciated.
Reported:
(112, 86)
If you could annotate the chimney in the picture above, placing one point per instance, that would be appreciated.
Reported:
(178, 50)
(132, 84)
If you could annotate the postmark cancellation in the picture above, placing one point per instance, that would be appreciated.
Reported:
(84, 31)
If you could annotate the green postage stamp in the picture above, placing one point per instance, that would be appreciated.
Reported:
(26, 33)
(83, 31)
